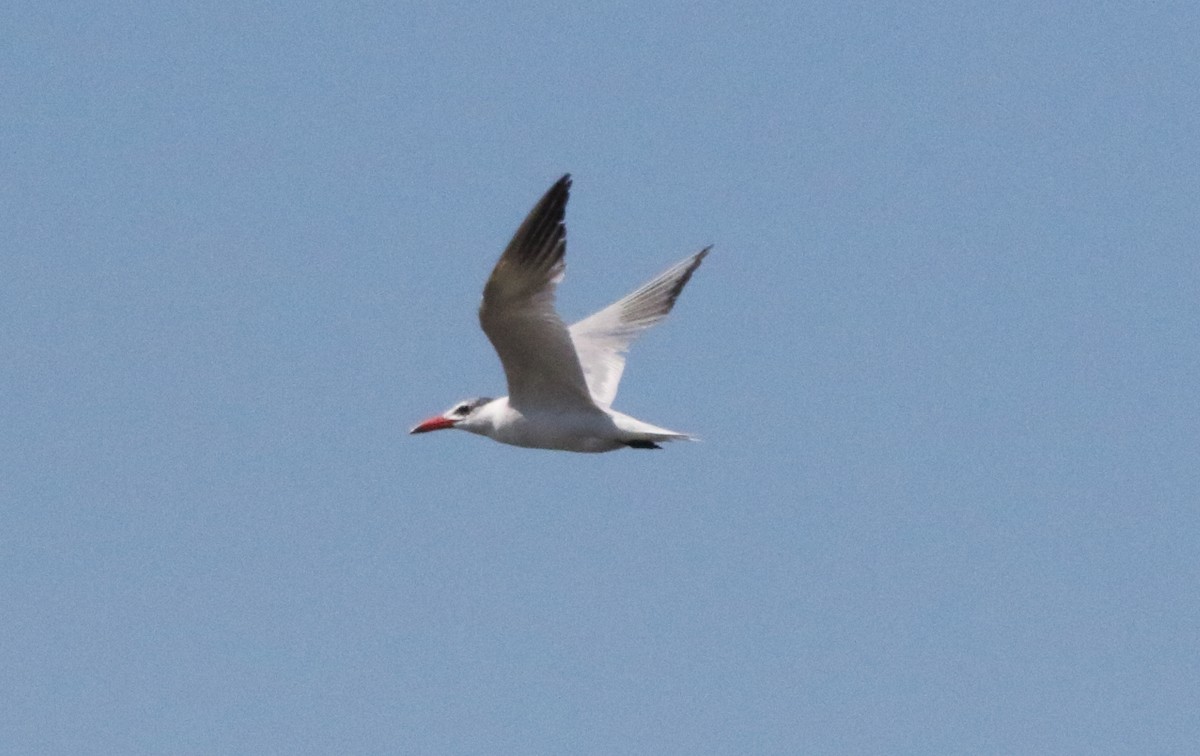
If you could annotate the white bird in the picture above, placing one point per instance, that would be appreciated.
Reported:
(561, 381)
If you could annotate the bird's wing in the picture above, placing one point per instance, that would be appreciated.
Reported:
(517, 312)
(602, 339)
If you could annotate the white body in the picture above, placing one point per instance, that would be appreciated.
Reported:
(567, 430)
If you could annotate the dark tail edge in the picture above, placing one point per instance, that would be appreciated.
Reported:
(642, 445)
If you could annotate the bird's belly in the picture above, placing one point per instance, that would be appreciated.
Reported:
(564, 432)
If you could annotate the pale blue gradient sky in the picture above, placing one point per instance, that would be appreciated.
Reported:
(943, 357)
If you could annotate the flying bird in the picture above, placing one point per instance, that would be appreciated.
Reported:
(561, 380)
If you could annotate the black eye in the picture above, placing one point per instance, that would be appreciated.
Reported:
(462, 409)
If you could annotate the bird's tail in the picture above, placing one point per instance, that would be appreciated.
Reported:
(641, 435)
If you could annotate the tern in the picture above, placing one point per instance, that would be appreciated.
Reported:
(561, 380)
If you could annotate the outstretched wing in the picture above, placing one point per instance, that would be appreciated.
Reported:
(518, 316)
(602, 339)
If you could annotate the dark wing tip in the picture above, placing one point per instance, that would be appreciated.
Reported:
(540, 239)
(557, 192)
(555, 198)
(540, 242)
(677, 289)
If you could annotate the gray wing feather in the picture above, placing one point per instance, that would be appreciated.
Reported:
(602, 339)
(518, 316)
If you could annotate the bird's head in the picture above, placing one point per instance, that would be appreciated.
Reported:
(453, 417)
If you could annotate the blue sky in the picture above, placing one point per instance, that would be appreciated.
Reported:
(943, 359)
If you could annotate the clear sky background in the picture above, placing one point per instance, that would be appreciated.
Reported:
(943, 357)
